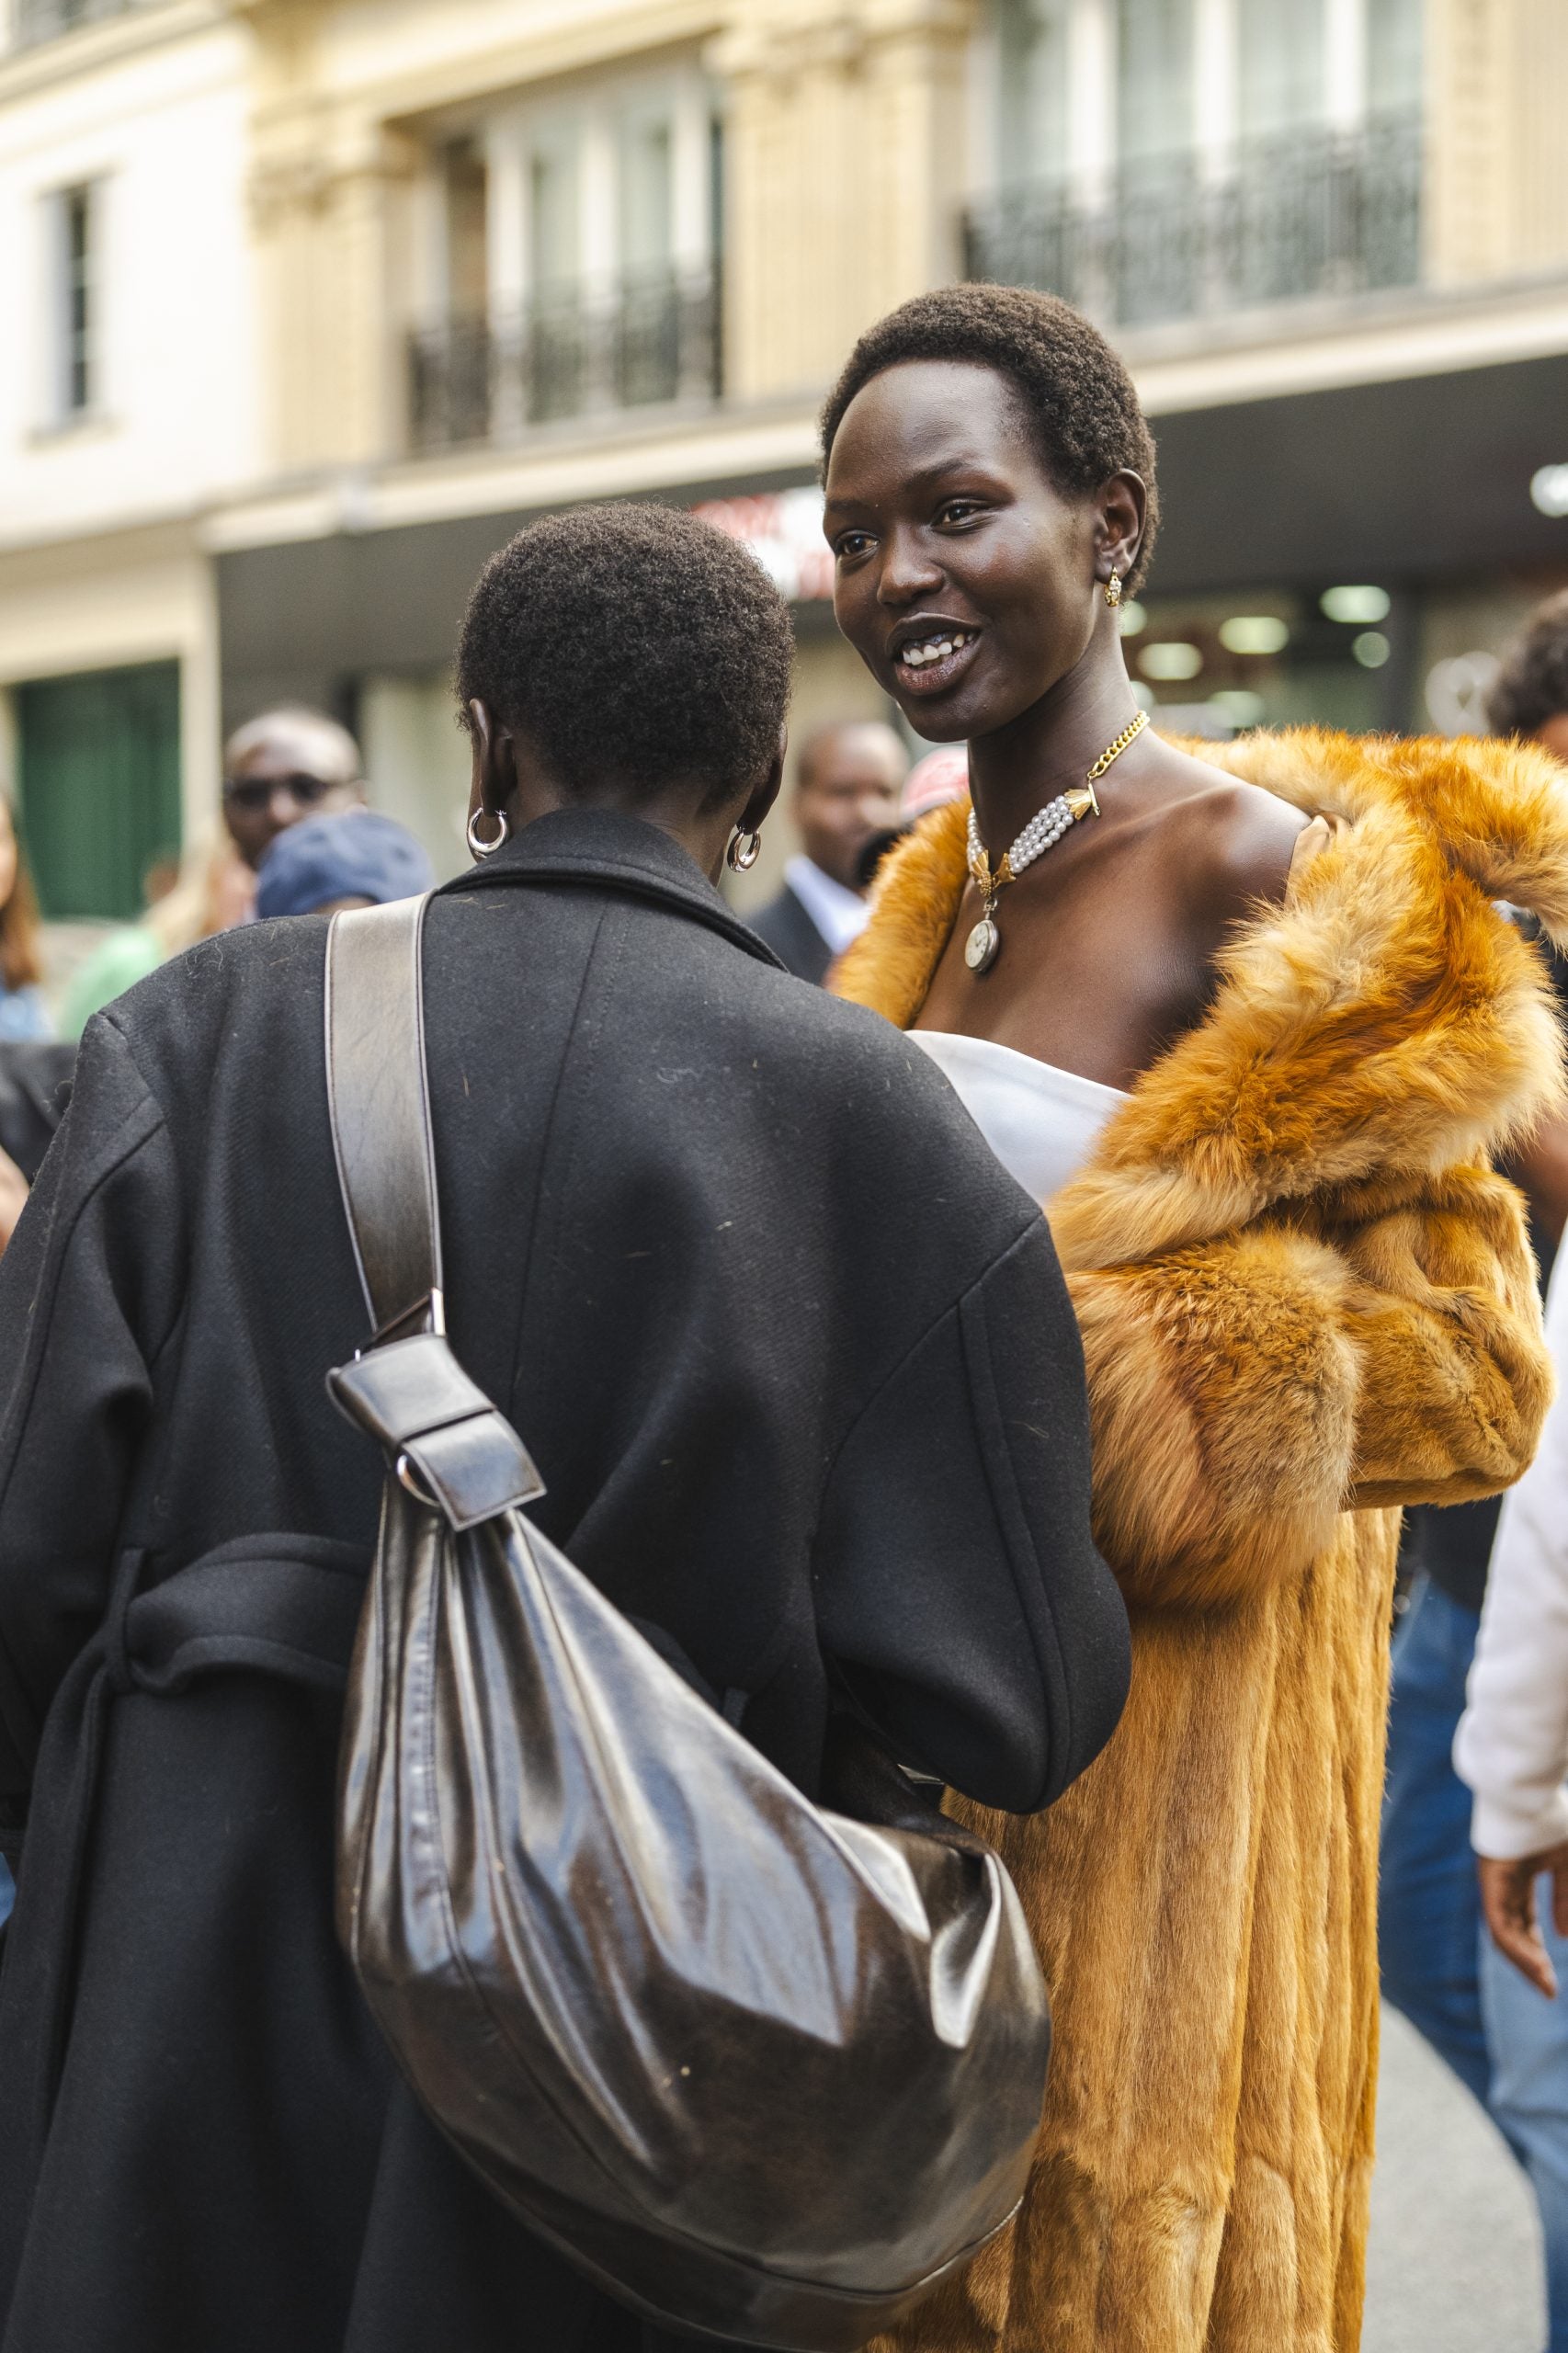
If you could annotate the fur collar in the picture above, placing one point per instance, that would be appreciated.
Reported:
(1385, 1023)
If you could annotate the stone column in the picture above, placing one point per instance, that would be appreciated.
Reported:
(1496, 193)
(846, 164)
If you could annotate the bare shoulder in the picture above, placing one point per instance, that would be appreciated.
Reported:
(1237, 839)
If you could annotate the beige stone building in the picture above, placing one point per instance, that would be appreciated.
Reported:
(421, 269)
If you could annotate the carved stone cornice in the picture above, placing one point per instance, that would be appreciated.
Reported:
(307, 178)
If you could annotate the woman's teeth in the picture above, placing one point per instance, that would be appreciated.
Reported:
(935, 649)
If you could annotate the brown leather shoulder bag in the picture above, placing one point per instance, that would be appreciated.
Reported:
(761, 2070)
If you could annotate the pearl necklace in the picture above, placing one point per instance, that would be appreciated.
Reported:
(1043, 831)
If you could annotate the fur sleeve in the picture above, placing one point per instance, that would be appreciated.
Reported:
(1246, 1391)
(1222, 1397)
(1444, 1316)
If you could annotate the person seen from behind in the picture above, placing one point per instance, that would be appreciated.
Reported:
(1245, 1018)
(846, 786)
(279, 769)
(329, 864)
(792, 1353)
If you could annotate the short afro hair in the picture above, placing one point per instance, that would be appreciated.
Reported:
(1532, 685)
(634, 646)
(1077, 400)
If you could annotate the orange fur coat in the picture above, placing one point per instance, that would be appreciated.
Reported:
(1305, 1301)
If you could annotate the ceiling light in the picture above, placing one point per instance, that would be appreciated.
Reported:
(1238, 705)
(1548, 489)
(1253, 633)
(1134, 617)
(1371, 649)
(1170, 659)
(1366, 604)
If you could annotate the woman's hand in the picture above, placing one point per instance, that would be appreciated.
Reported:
(1508, 1898)
(13, 1197)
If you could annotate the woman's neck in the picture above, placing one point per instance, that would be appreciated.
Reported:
(1051, 746)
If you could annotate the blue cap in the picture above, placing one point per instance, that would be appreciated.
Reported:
(357, 855)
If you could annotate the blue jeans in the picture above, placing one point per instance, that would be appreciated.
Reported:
(1507, 2045)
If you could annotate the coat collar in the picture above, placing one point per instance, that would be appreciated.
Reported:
(616, 852)
(1384, 1023)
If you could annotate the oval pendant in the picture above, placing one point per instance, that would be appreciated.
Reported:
(981, 947)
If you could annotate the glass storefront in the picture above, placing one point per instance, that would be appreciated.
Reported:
(1361, 654)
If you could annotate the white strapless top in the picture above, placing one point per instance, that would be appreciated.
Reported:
(1042, 1122)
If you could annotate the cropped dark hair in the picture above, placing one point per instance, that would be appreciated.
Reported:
(1076, 398)
(1532, 686)
(631, 645)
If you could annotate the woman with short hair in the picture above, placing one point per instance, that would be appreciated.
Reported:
(1247, 1021)
(791, 1352)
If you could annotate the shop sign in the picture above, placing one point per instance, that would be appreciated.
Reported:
(783, 531)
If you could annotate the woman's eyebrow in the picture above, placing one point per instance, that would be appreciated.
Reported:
(926, 478)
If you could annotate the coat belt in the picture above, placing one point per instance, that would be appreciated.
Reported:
(286, 1606)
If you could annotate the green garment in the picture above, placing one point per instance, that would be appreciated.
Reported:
(116, 964)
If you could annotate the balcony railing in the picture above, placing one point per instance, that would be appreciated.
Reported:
(650, 340)
(1325, 213)
(40, 20)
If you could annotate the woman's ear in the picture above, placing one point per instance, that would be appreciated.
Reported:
(1123, 505)
(761, 803)
(494, 776)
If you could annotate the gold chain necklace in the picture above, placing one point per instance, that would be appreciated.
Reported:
(1042, 833)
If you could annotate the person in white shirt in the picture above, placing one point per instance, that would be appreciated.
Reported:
(1512, 1743)
(1511, 1747)
(846, 792)
(1512, 1750)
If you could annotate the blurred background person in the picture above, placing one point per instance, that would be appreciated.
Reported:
(942, 776)
(282, 767)
(1508, 2046)
(1512, 1752)
(846, 793)
(356, 859)
(1531, 697)
(289, 764)
(22, 1011)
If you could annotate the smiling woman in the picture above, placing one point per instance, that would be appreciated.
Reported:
(1251, 1036)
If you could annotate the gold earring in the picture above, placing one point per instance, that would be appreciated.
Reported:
(1113, 587)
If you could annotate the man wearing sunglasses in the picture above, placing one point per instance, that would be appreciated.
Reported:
(286, 764)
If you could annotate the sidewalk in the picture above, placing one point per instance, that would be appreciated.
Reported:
(1454, 2259)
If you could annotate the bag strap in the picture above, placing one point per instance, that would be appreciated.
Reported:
(378, 1102)
(447, 1444)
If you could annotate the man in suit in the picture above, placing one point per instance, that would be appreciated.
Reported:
(846, 789)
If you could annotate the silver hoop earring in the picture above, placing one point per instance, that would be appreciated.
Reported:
(504, 826)
(745, 850)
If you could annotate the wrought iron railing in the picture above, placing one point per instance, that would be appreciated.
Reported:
(650, 339)
(40, 20)
(1320, 213)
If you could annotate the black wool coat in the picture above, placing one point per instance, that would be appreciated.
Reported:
(797, 1361)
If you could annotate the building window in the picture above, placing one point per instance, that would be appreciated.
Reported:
(1282, 65)
(40, 20)
(596, 286)
(1394, 55)
(73, 225)
(1154, 82)
(1031, 89)
(1205, 156)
